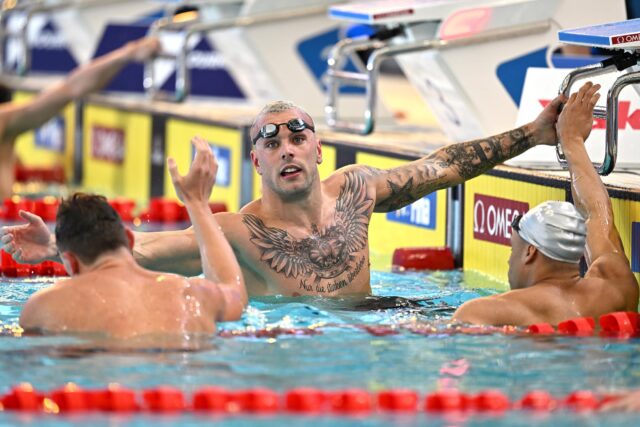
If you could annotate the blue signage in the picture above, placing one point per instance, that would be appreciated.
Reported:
(50, 52)
(421, 213)
(207, 66)
(315, 51)
(209, 75)
(48, 47)
(50, 136)
(635, 247)
(223, 155)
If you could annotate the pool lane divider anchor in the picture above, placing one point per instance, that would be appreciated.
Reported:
(160, 209)
(423, 258)
(301, 400)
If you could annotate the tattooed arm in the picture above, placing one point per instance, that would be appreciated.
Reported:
(456, 163)
(173, 251)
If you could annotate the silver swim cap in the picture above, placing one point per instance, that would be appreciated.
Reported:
(557, 229)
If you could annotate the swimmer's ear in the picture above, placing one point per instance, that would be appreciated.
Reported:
(530, 254)
(319, 149)
(256, 162)
(130, 238)
(70, 262)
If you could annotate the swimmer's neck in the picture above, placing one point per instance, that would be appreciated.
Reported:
(554, 274)
(304, 210)
(120, 258)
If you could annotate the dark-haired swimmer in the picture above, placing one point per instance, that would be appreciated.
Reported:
(306, 236)
(16, 118)
(549, 240)
(109, 293)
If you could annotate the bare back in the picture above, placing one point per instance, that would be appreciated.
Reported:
(592, 296)
(121, 302)
(608, 286)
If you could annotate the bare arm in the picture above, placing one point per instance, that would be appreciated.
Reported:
(219, 263)
(589, 194)
(18, 118)
(457, 163)
(170, 251)
(625, 403)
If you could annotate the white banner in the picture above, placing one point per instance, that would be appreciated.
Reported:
(541, 86)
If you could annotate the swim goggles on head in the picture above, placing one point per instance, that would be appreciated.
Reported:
(515, 223)
(271, 129)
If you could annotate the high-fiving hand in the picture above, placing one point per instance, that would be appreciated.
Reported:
(197, 184)
(28, 243)
(576, 120)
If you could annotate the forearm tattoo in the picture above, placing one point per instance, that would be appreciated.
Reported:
(473, 158)
(330, 250)
(449, 166)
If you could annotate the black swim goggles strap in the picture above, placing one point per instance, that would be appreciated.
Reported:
(515, 223)
(271, 129)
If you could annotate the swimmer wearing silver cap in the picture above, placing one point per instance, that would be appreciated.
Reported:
(548, 242)
(557, 229)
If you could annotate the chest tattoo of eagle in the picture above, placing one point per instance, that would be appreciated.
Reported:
(328, 251)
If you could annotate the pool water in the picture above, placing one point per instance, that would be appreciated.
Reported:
(333, 347)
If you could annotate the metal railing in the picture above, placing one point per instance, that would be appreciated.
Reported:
(618, 62)
(31, 9)
(193, 28)
(384, 50)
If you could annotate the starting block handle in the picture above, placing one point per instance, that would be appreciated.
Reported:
(31, 9)
(336, 78)
(383, 50)
(610, 113)
(194, 27)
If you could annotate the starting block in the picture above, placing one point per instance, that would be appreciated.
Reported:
(615, 35)
(623, 38)
(457, 53)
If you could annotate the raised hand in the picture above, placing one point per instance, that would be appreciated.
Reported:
(545, 123)
(29, 243)
(576, 119)
(197, 184)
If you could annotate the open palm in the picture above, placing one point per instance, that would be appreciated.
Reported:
(29, 243)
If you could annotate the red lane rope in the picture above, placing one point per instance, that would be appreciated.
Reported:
(306, 400)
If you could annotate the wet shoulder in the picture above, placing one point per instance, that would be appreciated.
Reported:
(612, 266)
(350, 180)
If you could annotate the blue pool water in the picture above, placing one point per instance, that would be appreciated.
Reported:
(333, 351)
